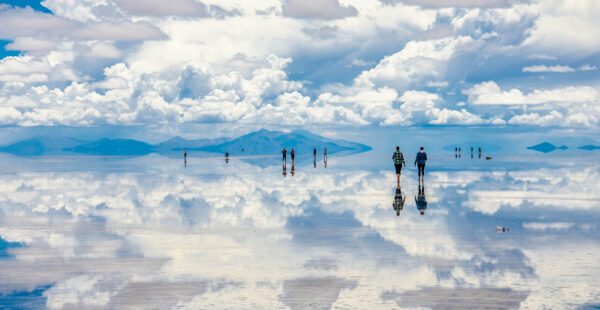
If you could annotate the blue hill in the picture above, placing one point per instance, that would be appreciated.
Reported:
(262, 142)
(546, 147)
(113, 147)
(589, 147)
(41, 145)
(178, 143)
(265, 142)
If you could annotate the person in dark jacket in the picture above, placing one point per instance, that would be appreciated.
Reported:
(420, 163)
(420, 200)
(284, 152)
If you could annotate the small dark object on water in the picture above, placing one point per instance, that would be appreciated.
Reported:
(488, 157)
(502, 229)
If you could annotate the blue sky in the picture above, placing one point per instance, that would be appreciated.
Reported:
(291, 63)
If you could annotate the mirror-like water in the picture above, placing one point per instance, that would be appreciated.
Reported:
(511, 232)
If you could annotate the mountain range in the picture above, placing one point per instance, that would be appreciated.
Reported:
(262, 142)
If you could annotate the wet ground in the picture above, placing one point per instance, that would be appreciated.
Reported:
(148, 233)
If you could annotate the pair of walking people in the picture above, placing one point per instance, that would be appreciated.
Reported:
(292, 154)
(420, 161)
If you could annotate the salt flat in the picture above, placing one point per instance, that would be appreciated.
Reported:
(147, 232)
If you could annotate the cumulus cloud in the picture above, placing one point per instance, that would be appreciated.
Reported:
(186, 63)
(26, 22)
(565, 28)
(30, 44)
(489, 93)
(316, 9)
(417, 62)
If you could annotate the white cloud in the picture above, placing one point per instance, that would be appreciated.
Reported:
(417, 62)
(566, 29)
(489, 93)
(541, 56)
(587, 68)
(103, 50)
(544, 68)
(437, 84)
(30, 44)
(547, 226)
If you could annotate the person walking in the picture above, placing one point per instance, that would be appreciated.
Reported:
(398, 159)
(325, 155)
(420, 163)
(471, 152)
(284, 158)
(293, 154)
(480, 152)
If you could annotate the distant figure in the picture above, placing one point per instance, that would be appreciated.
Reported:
(315, 157)
(471, 152)
(456, 152)
(227, 157)
(293, 154)
(420, 200)
(315, 152)
(284, 158)
(185, 156)
(398, 159)
(398, 201)
(488, 157)
(325, 154)
(459, 152)
(242, 149)
(502, 229)
(420, 163)
(480, 152)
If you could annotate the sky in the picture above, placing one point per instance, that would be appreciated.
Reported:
(299, 63)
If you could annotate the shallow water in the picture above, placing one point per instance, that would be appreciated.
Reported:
(149, 233)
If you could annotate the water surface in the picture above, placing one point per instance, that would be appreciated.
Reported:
(147, 232)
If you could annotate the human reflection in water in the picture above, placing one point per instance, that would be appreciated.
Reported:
(284, 173)
(420, 199)
(293, 171)
(398, 201)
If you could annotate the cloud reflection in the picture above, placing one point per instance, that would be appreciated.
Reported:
(160, 238)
